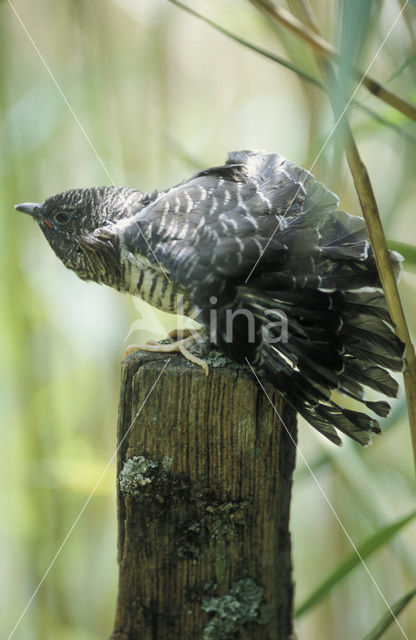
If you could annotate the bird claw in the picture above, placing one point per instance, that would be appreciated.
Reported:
(170, 347)
(179, 334)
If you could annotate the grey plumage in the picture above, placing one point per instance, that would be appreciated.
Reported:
(257, 234)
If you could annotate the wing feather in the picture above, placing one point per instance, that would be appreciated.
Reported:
(314, 266)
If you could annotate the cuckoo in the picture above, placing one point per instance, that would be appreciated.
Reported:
(259, 254)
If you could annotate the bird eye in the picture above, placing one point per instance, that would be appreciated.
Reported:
(62, 217)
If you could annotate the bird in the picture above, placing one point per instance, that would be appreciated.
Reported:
(256, 250)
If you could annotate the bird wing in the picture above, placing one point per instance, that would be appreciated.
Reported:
(262, 235)
(217, 224)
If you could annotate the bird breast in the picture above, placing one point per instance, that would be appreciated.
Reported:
(153, 285)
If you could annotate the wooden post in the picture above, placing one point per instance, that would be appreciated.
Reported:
(204, 481)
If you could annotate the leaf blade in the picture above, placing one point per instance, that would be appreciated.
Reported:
(365, 549)
(410, 60)
(291, 66)
(390, 615)
(264, 52)
(408, 251)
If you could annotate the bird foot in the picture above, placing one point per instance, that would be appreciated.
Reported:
(171, 347)
(179, 334)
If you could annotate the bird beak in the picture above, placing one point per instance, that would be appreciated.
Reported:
(32, 208)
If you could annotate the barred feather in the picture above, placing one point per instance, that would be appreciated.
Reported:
(262, 235)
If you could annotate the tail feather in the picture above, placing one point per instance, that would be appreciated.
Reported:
(374, 377)
(354, 424)
(382, 349)
(324, 281)
(374, 332)
(381, 408)
(321, 424)
(356, 348)
(337, 341)
(371, 303)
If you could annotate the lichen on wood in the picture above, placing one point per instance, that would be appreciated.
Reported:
(204, 474)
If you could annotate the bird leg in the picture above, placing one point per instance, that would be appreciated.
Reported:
(179, 334)
(172, 347)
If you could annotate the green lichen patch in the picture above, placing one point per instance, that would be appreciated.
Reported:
(214, 517)
(233, 610)
(137, 473)
(152, 482)
(225, 518)
(202, 515)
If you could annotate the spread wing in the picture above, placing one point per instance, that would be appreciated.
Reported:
(262, 235)
(211, 230)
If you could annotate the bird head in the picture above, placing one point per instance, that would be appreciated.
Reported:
(78, 226)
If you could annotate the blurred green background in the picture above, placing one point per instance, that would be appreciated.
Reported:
(160, 94)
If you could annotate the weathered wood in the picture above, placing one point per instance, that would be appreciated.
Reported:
(205, 471)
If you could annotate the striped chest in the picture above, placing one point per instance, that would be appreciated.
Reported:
(149, 282)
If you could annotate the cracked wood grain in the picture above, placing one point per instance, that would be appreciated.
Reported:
(203, 508)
